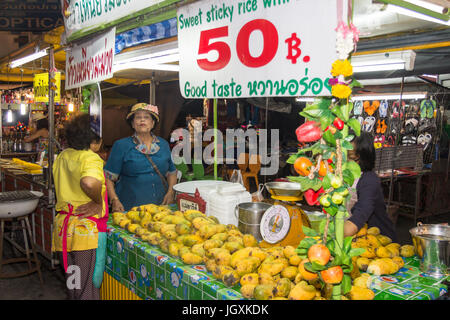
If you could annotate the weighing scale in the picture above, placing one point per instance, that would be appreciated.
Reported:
(282, 224)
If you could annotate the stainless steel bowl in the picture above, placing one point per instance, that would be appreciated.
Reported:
(432, 245)
(285, 189)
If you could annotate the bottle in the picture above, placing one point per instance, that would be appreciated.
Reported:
(20, 147)
(14, 148)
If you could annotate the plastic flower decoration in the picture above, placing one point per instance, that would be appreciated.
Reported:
(341, 91)
(341, 67)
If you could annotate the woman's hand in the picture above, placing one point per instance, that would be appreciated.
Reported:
(88, 210)
(169, 197)
(117, 206)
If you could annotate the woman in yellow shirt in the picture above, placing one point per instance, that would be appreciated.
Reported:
(82, 213)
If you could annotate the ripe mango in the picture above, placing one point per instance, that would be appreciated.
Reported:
(220, 236)
(145, 222)
(382, 266)
(239, 255)
(198, 249)
(132, 227)
(283, 288)
(210, 264)
(289, 251)
(302, 291)
(159, 216)
(236, 239)
(373, 231)
(271, 267)
(263, 292)
(363, 281)
(249, 240)
(289, 272)
(156, 226)
(399, 261)
(358, 293)
(191, 258)
(206, 231)
(407, 251)
(223, 258)
(140, 231)
(247, 265)
(133, 216)
(369, 253)
(164, 245)
(373, 241)
(295, 260)
(174, 248)
(212, 243)
(249, 278)
(394, 250)
(200, 221)
(192, 214)
(234, 232)
(189, 239)
(230, 277)
(220, 270)
(361, 232)
(182, 228)
(384, 240)
(247, 290)
(266, 278)
(383, 252)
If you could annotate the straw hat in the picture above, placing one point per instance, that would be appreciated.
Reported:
(38, 116)
(144, 106)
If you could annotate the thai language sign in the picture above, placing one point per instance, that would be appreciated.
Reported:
(88, 15)
(41, 88)
(30, 15)
(90, 61)
(256, 48)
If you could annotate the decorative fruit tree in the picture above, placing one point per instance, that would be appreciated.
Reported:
(326, 174)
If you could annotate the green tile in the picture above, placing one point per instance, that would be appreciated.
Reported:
(212, 286)
(194, 293)
(183, 291)
(383, 295)
(229, 294)
(160, 277)
(208, 297)
(420, 296)
(132, 259)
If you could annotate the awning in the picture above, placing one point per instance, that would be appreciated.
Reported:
(157, 31)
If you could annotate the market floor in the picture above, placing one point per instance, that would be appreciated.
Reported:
(29, 287)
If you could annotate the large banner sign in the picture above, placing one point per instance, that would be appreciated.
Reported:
(256, 48)
(89, 15)
(30, 15)
(91, 61)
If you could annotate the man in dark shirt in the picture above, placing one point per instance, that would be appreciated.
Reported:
(370, 207)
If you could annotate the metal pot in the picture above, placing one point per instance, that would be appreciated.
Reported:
(249, 216)
(432, 245)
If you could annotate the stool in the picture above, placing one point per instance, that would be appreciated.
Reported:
(25, 226)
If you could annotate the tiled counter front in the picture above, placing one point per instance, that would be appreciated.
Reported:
(152, 274)
(409, 283)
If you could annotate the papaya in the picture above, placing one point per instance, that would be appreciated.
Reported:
(302, 291)
(264, 292)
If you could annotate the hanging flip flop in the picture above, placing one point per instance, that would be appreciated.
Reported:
(430, 109)
(383, 127)
(369, 123)
(397, 111)
(358, 108)
(411, 125)
(424, 139)
(378, 126)
(389, 142)
(370, 108)
(383, 109)
(361, 121)
(378, 141)
(409, 140)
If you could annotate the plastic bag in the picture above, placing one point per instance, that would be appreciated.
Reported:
(258, 195)
(236, 177)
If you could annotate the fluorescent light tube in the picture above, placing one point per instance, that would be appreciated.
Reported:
(405, 96)
(414, 14)
(384, 61)
(144, 66)
(23, 108)
(29, 58)
(305, 99)
(9, 116)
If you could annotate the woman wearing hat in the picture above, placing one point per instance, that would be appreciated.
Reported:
(41, 124)
(140, 169)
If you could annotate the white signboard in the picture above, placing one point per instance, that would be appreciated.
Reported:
(90, 61)
(256, 48)
(88, 15)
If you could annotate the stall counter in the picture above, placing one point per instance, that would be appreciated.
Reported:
(148, 273)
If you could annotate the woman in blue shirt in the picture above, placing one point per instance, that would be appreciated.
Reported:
(130, 177)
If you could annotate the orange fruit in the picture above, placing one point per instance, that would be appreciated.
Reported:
(306, 275)
(323, 169)
(302, 166)
(332, 275)
(319, 254)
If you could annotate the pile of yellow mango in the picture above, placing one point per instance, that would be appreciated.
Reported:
(232, 257)
(382, 256)
(29, 167)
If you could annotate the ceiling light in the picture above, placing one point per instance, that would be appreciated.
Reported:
(427, 11)
(23, 108)
(70, 107)
(384, 61)
(305, 99)
(29, 58)
(390, 96)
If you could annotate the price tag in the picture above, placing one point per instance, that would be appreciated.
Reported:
(256, 48)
